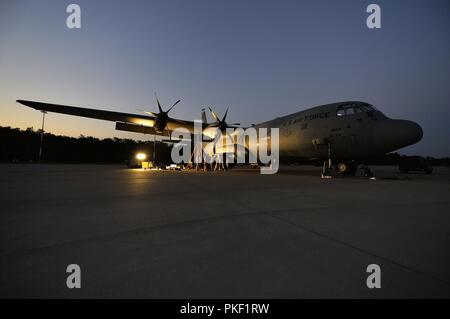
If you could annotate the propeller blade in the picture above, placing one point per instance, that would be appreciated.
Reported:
(223, 138)
(214, 115)
(173, 105)
(159, 104)
(231, 138)
(217, 137)
(225, 115)
(147, 112)
(234, 133)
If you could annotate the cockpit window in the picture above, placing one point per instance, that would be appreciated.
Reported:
(352, 108)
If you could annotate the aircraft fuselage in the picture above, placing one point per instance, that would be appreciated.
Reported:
(352, 130)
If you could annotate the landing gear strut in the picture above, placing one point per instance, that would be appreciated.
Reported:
(327, 165)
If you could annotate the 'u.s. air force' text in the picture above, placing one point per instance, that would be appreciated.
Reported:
(241, 308)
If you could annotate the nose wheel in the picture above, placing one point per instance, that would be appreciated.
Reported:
(344, 168)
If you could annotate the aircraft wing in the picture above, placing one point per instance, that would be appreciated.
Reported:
(132, 121)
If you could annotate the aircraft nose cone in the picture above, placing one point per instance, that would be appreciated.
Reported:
(391, 135)
(409, 132)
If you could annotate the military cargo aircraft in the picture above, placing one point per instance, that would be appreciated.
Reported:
(341, 134)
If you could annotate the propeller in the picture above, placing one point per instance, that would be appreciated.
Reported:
(162, 117)
(221, 124)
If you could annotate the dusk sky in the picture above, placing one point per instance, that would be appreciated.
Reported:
(262, 58)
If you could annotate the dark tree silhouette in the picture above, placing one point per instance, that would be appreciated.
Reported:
(23, 146)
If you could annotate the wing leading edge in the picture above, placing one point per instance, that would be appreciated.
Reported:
(118, 117)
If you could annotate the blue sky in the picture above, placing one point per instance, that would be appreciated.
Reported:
(261, 58)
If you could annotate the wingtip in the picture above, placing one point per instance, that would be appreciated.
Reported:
(23, 102)
(29, 103)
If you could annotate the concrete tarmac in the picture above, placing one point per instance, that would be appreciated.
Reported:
(236, 234)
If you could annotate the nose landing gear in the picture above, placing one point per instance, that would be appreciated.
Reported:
(327, 170)
(344, 168)
(347, 168)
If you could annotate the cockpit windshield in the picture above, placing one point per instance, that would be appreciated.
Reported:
(354, 108)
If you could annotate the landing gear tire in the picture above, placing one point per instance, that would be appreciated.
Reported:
(346, 168)
(342, 168)
(366, 171)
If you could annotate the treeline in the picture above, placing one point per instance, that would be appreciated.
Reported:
(391, 159)
(396, 158)
(23, 146)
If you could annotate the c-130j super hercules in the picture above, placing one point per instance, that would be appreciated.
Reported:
(341, 134)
